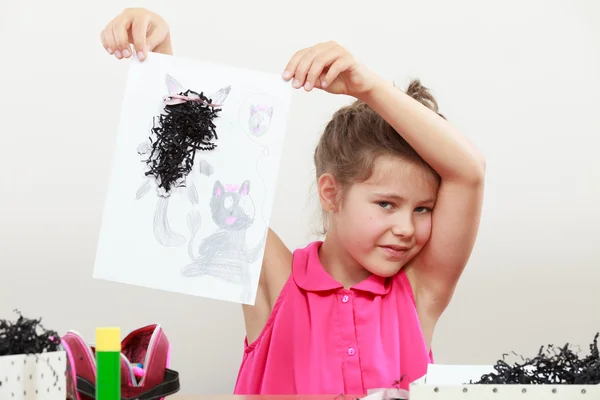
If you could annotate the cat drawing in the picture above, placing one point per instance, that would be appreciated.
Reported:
(260, 120)
(224, 254)
(163, 232)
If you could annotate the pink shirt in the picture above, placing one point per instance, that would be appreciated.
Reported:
(324, 339)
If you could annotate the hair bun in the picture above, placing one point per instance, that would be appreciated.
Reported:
(422, 94)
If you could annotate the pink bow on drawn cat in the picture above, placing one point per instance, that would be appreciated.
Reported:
(232, 188)
(173, 99)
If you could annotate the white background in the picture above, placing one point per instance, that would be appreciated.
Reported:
(520, 78)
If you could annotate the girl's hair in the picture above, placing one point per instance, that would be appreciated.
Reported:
(356, 136)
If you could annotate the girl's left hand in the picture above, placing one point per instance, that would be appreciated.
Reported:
(330, 67)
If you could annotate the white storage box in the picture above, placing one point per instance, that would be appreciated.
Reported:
(504, 392)
(33, 377)
(450, 382)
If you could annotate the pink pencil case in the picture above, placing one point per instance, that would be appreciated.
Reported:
(145, 372)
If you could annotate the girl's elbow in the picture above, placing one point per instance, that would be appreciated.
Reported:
(471, 174)
(476, 174)
(480, 168)
(481, 160)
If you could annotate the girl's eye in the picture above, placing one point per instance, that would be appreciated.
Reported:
(384, 204)
(422, 209)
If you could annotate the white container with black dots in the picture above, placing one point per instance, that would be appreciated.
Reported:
(33, 376)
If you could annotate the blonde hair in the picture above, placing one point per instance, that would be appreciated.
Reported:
(357, 136)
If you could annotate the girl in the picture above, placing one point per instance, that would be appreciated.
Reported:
(402, 193)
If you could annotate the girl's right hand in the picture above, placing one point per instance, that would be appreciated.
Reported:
(143, 29)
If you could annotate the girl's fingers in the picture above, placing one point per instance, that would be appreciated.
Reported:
(311, 67)
(323, 60)
(156, 37)
(321, 81)
(304, 66)
(338, 66)
(107, 42)
(290, 68)
(119, 30)
(115, 44)
(139, 27)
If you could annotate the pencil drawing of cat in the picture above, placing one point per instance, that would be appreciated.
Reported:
(163, 232)
(224, 254)
(260, 120)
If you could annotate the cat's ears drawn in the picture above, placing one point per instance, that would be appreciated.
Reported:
(254, 109)
(218, 189)
(243, 189)
(174, 87)
(220, 96)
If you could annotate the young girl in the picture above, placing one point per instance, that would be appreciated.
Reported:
(401, 191)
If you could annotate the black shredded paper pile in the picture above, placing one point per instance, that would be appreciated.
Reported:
(552, 365)
(181, 131)
(26, 336)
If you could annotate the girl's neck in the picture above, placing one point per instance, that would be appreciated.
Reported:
(340, 264)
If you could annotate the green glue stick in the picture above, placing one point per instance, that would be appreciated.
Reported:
(108, 364)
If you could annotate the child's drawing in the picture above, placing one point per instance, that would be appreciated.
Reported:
(258, 111)
(162, 228)
(192, 189)
(205, 168)
(224, 254)
(260, 119)
(255, 116)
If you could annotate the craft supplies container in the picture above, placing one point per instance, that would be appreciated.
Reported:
(33, 376)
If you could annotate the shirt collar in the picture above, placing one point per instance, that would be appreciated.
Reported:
(310, 275)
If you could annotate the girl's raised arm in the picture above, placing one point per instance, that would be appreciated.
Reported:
(456, 215)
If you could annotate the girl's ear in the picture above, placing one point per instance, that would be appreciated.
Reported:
(329, 192)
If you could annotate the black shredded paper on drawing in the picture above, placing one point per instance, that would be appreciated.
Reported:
(26, 336)
(553, 365)
(181, 130)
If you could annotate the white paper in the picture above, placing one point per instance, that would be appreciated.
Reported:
(147, 239)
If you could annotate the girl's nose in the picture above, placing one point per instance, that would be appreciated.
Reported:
(403, 225)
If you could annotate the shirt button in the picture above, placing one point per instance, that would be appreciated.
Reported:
(351, 351)
(345, 298)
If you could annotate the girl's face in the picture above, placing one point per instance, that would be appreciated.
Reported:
(384, 222)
